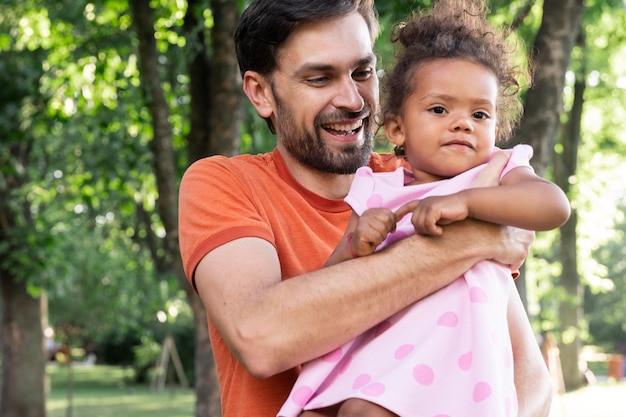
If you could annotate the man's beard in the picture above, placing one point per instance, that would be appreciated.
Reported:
(309, 149)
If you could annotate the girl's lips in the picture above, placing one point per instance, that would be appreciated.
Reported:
(459, 143)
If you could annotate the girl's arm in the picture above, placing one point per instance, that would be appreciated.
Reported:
(363, 234)
(522, 200)
(342, 250)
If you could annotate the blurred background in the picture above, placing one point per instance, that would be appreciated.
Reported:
(103, 105)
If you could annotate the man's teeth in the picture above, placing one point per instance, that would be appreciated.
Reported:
(346, 128)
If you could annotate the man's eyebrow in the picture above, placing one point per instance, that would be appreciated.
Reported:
(316, 67)
(369, 59)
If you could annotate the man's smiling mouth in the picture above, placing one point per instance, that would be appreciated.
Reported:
(344, 129)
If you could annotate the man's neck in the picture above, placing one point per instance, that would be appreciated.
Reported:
(331, 186)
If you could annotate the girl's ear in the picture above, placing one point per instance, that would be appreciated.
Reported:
(393, 130)
(258, 90)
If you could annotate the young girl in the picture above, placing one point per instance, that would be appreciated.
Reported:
(452, 92)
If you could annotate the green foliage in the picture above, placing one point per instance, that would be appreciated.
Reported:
(119, 348)
(143, 353)
(605, 301)
(146, 353)
(24, 238)
(598, 185)
(605, 99)
(76, 168)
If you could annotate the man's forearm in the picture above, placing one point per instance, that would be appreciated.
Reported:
(532, 379)
(272, 325)
(333, 305)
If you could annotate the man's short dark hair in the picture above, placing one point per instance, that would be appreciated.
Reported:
(266, 24)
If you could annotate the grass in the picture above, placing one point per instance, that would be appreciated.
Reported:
(107, 391)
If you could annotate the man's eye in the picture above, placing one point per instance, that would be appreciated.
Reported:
(317, 80)
(362, 75)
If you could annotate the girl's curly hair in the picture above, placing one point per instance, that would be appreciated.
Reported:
(456, 29)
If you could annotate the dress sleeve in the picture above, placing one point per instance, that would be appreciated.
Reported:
(520, 157)
(362, 187)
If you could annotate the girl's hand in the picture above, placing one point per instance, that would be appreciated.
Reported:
(433, 212)
(430, 213)
(372, 228)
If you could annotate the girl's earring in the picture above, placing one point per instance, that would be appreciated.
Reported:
(399, 151)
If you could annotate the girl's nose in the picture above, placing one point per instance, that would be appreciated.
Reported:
(462, 124)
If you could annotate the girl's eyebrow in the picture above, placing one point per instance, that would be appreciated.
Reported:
(448, 97)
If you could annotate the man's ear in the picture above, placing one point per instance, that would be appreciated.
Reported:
(393, 130)
(258, 90)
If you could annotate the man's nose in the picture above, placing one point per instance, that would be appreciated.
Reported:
(348, 96)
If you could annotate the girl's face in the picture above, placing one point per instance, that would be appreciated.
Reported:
(448, 122)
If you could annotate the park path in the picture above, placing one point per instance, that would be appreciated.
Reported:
(598, 400)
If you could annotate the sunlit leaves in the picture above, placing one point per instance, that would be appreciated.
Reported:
(81, 116)
(605, 301)
(90, 174)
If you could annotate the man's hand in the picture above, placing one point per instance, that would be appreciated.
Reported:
(515, 244)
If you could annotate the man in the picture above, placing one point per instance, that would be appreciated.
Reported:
(256, 230)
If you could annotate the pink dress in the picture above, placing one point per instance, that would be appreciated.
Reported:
(448, 355)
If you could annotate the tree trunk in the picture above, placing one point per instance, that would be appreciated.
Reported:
(227, 98)
(544, 101)
(21, 333)
(207, 393)
(200, 88)
(216, 113)
(571, 304)
(208, 403)
(161, 143)
(23, 356)
(570, 307)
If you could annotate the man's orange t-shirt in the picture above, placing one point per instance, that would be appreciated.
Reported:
(223, 199)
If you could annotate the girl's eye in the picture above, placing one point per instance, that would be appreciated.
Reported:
(480, 115)
(438, 110)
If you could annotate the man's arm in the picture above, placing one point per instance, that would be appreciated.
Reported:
(273, 325)
(532, 379)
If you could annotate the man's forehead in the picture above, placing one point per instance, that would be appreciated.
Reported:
(333, 42)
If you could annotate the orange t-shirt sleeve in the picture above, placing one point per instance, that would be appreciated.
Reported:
(215, 208)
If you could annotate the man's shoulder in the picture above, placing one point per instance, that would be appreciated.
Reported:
(244, 164)
(237, 160)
